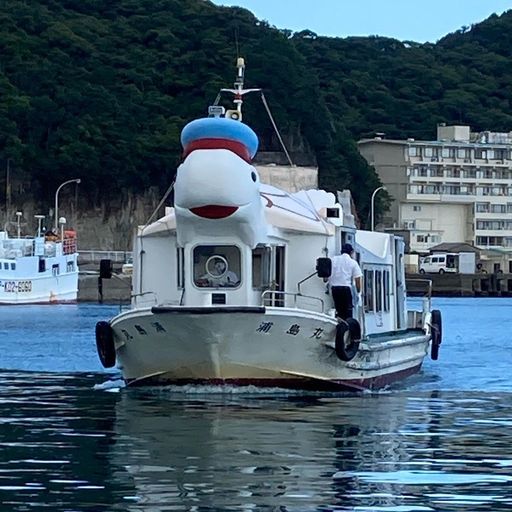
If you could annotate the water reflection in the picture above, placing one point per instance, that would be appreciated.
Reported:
(384, 452)
(67, 446)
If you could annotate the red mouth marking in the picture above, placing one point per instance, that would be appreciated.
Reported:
(214, 211)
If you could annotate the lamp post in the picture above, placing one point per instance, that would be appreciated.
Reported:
(56, 212)
(372, 206)
(18, 221)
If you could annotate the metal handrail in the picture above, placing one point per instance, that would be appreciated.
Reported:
(95, 256)
(273, 293)
(428, 282)
(137, 295)
(427, 298)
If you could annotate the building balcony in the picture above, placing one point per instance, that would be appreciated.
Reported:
(493, 216)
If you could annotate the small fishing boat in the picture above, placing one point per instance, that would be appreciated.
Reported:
(228, 286)
(38, 269)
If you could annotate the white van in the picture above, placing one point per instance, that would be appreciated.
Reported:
(439, 264)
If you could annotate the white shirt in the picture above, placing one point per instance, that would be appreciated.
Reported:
(344, 270)
(228, 279)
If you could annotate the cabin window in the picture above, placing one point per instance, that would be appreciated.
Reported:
(387, 291)
(13, 266)
(217, 266)
(378, 290)
(6, 266)
(368, 290)
(70, 266)
(261, 268)
(180, 274)
(55, 270)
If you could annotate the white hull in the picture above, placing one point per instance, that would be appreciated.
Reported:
(272, 346)
(39, 290)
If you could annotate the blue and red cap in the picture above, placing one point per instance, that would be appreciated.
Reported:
(219, 133)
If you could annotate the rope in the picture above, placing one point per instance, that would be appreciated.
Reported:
(166, 195)
(276, 130)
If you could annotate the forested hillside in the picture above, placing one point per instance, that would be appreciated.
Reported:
(100, 90)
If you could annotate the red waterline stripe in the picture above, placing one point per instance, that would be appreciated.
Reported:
(285, 383)
(232, 145)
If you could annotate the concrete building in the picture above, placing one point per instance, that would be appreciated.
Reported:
(457, 188)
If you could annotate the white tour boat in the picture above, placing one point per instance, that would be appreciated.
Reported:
(228, 288)
(40, 269)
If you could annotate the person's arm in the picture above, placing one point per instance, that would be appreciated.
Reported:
(358, 277)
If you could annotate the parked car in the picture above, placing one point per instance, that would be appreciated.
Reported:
(438, 263)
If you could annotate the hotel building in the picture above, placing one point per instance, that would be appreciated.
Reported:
(457, 188)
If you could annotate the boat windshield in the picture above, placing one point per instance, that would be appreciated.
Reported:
(217, 266)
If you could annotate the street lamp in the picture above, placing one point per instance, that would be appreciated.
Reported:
(56, 212)
(372, 205)
(18, 221)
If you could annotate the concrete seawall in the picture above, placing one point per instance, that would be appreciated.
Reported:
(115, 291)
(461, 285)
(118, 289)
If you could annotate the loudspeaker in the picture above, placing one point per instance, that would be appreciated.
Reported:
(324, 267)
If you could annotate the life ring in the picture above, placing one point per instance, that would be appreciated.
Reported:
(348, 336)
(105, 344)
(436, 331)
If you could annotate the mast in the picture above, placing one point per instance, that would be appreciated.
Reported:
(238, 93)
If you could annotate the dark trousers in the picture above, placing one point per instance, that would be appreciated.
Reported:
(342, 296)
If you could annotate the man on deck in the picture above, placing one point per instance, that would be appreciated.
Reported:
(345, 271)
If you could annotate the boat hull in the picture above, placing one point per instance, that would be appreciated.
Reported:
(39, 290)
(270, 347)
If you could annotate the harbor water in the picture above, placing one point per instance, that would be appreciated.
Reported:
(74, 439)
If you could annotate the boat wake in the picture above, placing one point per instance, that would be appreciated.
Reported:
(232, 390)
(111, 386)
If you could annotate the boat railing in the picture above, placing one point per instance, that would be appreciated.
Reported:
(425, 286)
(418, 318)
(69, 245)
(278, 298)
(136, 296)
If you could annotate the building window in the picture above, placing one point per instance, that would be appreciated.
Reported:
(413, 151)
(416, 208)
(462, 153)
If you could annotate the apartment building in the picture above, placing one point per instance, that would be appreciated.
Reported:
(457, 188)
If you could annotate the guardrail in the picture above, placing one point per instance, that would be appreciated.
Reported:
(277, 298)
(96, 256)
(427, 283)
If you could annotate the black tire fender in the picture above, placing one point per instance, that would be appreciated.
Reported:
(105, 344)
(348, 336)
(436, 329)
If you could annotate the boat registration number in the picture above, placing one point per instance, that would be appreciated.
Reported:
(17, 286)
